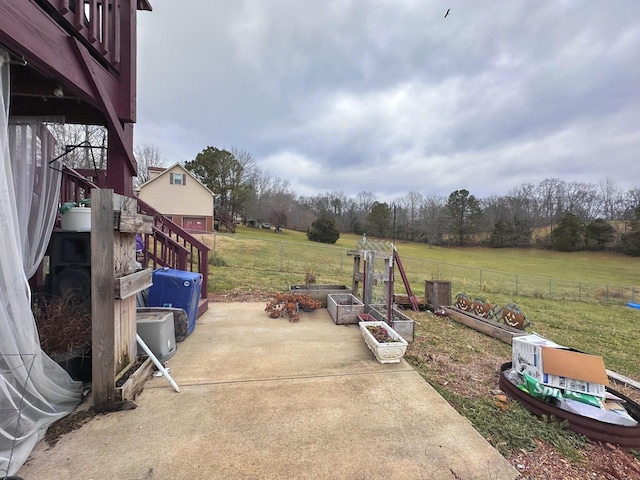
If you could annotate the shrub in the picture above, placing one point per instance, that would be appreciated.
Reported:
(217, 261)
(323, 230)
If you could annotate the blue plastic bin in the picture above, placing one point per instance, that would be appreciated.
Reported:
(176, 289)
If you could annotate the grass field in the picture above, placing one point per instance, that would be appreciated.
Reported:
(576, 299)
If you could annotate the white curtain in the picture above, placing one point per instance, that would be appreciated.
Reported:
(34, 390)
(37, 187)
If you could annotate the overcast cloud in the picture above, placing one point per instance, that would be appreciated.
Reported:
(388, 96)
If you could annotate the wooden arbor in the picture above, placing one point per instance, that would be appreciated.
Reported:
(363, 271)
(76, 60)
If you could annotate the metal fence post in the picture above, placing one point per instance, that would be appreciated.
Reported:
(516, 284)
(281, 255)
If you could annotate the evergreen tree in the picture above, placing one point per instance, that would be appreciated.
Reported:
(568, 236)
(224, 175)
(323, 230)
(598, 234)
(631, 241)
(464, 213)
(379, 219)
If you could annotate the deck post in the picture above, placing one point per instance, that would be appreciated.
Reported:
(102, 298)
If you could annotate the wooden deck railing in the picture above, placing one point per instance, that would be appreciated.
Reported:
(75, 187)
(96, 23)
(172, 246)
(222, 218)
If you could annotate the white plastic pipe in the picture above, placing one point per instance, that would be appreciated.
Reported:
(157, 363)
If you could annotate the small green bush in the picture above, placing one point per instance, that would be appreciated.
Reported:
(323, 230)
(217, 261)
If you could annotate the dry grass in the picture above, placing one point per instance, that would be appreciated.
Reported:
(463, 366)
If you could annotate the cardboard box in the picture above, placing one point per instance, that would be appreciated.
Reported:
(527, 354)
(556, 366)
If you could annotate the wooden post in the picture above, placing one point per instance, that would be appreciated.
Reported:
(102, 297)
(369, 258)
(355, 284)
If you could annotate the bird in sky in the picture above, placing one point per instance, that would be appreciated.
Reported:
(447, 14)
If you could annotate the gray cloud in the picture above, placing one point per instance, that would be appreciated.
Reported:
(390, 97)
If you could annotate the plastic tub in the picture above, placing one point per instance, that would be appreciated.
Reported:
(76, 219)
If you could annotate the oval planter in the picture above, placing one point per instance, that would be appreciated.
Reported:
(625, 437)
(390, 352)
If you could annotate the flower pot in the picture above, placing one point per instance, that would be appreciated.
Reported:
(388, 352)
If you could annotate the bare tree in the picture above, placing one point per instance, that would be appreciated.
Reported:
(523, 199)
(270, 197)
(84, 146)
(433, 218)
(364, 201)
(245, 159)
(549, 195)
(409, 216)
(631, 203)
(146, 156)
(581, 199)
(611, 199)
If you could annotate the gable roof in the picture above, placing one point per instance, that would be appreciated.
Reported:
(166, 170)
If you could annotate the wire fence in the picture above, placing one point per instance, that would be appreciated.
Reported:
(334, 265)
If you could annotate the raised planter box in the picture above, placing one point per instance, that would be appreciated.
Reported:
(344, 308)
(401, 323)
(128, 388)
(389, 352)
(319, 292)
(437, 293)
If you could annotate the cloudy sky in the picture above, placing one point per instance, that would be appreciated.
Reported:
(389, 96)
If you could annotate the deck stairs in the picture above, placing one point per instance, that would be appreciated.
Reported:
(168, 246)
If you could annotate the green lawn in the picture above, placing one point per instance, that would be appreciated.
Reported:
(576, 299)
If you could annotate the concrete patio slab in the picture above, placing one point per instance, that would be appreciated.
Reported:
(264, 398)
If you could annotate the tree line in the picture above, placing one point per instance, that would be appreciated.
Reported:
(552, 214)
(558, 214)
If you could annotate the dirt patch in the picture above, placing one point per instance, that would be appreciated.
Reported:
(68, 424)
(241, 296)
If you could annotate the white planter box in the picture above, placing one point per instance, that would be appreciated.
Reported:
(390, 352)
(399, 321)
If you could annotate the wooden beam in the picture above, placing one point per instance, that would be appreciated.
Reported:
(128, 60)
(504, 333)
(135, 223)
(123, 141)
(132, 284)
(622, 379)
(29, 31)
(102, 301)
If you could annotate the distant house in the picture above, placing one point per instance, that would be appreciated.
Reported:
(177, 194)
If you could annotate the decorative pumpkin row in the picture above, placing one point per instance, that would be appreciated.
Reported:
(510, 314)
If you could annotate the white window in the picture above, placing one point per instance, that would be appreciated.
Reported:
(178, 178)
